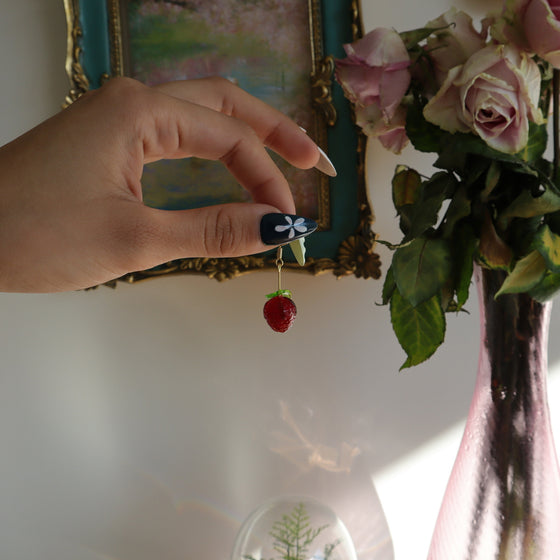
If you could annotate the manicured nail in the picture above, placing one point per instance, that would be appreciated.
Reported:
(324, 164)
(277, 229)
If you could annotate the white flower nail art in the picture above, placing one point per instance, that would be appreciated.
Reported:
(292, 226)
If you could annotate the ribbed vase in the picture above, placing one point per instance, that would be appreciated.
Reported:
(503, 498)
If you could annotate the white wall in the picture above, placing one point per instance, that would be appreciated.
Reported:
(140, 422)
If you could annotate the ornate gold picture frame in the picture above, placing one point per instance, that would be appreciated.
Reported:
(290, 64)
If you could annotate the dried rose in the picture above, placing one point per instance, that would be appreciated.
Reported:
(494, 94)
(541, 21)
(454, 41)
(531, 25)
(390, 132)
(376, 71)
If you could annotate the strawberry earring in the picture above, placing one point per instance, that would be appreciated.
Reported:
(280, 310)
(276, 229)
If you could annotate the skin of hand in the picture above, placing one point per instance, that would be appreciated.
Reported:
(71, 211)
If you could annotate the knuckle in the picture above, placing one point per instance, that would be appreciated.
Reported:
(228, 93)
(121, 88)
(126, 96)
(220, 82)
(247, 140)
(221, 235)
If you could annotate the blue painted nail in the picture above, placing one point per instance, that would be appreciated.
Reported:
(277, 229)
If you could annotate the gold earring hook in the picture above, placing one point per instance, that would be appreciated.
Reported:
(279, 265)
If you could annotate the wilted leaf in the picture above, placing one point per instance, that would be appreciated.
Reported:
(414, 36)
(547, 244)
(526, 274)
(528, 206)
(406, 186)
(492, 250)
(421, 268)
(420, 330)
(546, 288)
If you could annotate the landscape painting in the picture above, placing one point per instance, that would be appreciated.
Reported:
(264, 46)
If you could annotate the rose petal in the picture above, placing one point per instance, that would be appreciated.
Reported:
(392, 88)
(443, 109)
(360, 82)
(456, 41)
(542, 28)
(380, 47)
(394, 141)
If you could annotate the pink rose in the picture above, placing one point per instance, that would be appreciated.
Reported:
(376, 71)
(531, 25)
(390, 132)
(494, 94)
(454, 42)
(507, 26)
(541, 21)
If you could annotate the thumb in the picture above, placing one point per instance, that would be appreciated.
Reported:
(225, 230)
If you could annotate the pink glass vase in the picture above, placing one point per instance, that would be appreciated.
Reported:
(503, 498)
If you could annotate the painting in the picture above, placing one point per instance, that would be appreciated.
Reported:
(258, 46)
(275, 50)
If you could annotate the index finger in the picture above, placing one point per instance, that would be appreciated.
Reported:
(175, 128)
(276, 130)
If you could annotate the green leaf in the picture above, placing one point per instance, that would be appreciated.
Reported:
(492, 178)
(420, 330)
(547, 244)
(464, 248)
(546, 288)
(284, 293)
(441, 183)
(553, 221)
(527, 206)
(388, 286)
(451, 159)
(526, 274)
(425, 136)
(417, 218)
(412, 37)
(421, 268)
(536, 145)
(473, 144)
(459, 208)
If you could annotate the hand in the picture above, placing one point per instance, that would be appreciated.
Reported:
(71, 211)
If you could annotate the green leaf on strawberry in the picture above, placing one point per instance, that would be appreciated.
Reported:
(283, 293)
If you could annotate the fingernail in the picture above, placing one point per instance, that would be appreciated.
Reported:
(324, 164)
(277, 228)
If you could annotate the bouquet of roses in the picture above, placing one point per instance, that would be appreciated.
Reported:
(481, 99)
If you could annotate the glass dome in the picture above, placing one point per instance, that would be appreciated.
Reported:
(293, 528)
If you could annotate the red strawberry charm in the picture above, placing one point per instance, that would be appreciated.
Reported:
(280, 310)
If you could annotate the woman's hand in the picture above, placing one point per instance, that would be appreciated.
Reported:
(71, 211)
